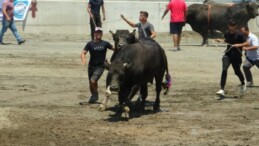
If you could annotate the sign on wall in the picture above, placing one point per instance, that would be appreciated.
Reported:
(21, 8)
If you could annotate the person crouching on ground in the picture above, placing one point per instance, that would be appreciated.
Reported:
(97, 49)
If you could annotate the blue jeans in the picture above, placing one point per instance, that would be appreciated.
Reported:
(9, 24)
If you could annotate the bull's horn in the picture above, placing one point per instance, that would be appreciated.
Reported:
(111, 32)
(133, 32)
(125, 64)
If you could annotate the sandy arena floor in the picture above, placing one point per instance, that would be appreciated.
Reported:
(42, 82)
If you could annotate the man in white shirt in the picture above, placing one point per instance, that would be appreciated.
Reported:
(252, 54)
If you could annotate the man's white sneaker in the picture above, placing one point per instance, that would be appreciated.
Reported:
(249, 84)
(220, 92)
(243, 88)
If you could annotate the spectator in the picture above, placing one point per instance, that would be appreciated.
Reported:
(178, 11)
(8, 21)
(93, 9)
(145, 28)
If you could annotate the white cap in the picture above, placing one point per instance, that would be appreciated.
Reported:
(98, 29)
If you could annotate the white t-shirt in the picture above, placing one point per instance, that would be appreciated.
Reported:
(253, 41)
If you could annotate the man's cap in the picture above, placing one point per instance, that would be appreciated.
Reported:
(98, 29)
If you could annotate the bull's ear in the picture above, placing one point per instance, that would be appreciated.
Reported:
(133, 32)
(107, 64)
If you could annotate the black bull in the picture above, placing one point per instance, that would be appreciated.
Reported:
(210, 17)
(134, 65)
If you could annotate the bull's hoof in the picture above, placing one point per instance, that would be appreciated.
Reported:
(126, 112)
(102, 108)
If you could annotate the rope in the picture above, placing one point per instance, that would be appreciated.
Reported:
(94, 22)
(226, 51)
(231, 48)
(214, 43)
(116, 20)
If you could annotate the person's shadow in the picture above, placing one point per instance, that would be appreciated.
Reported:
(223, 97)
(6, 44)
(253, 86)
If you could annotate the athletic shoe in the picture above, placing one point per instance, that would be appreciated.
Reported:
(220, 92)
(243, 88)
(178, 49)
(249, 84)
(93, 99)
(21, 42)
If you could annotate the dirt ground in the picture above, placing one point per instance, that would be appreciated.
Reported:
(42, 82)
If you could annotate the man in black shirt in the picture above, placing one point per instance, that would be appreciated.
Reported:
(94, 12)
(97, 49)
(233, 55)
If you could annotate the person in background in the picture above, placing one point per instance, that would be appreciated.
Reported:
(93, 9)
(252, 54)
(145, 28)
(8, 21)
(178, 11)
(97, 49)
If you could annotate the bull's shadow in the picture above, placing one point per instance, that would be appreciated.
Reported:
(134, 113)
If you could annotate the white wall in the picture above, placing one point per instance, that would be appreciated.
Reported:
(71, 17)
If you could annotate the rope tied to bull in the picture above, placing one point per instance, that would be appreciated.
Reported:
(226, 51)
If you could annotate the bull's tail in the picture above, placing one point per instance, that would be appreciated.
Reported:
(167, 84)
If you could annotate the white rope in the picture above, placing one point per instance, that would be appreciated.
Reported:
(226, 51)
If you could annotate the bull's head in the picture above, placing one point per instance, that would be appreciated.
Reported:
(123, 37)
(252, 9)
(116, 73)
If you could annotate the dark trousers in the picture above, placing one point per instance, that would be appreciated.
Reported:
(246, 67)
(236, 64)
(98, 22)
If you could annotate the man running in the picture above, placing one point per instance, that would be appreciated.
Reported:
(93, 9)
(97, 49)
(233, 55)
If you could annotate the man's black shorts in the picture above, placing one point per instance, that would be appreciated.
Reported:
(94, 73)
(176, 27)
